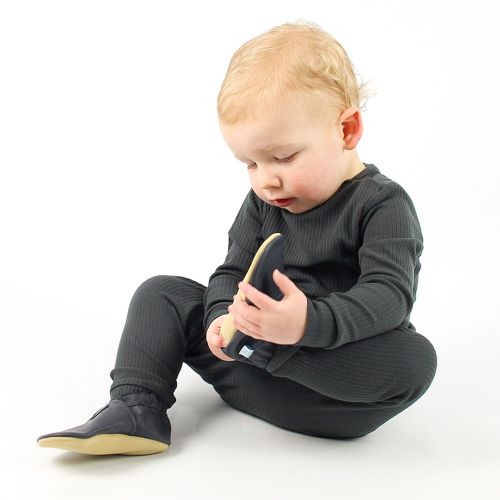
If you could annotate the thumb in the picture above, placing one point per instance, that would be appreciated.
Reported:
(285, 284)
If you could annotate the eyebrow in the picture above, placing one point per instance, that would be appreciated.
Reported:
(274, 146)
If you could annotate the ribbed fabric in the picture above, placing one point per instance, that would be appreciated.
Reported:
(360, 362)
(343, 392)
(156, 335)
(356, 258)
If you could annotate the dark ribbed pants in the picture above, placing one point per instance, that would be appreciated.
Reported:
(345, 392)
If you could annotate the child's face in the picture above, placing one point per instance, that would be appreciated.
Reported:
(290, 155)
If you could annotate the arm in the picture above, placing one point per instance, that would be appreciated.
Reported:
(245, 237)
(389, 263)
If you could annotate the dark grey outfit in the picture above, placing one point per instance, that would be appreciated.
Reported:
(360, 362)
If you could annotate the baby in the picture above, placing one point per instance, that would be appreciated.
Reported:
(341, 356)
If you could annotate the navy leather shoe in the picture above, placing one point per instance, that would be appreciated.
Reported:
(242, 347)
(135, 424)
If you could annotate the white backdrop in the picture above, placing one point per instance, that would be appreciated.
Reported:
(113, 170)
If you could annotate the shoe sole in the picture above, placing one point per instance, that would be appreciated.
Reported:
(106, 444)
(228, 329)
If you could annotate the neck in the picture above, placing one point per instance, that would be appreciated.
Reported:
(355, 165)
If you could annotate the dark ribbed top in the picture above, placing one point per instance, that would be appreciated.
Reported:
(355, 257)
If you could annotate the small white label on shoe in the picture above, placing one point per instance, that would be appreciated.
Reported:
(246, 351)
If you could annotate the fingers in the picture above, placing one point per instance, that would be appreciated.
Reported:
(246, 318)
(259, 299)
(217, 352)
(216, 340)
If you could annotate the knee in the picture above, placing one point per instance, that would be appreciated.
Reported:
(158, 281)
(167, 286)
(427, 361)
(421, 371)
(184, 294)
(155, 284)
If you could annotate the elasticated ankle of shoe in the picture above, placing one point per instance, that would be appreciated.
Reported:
(150, 414)
(144, 398)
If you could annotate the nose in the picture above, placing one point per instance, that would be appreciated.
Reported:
(267, 178)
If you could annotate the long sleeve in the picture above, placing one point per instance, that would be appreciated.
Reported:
(389, 263)
(245, 237)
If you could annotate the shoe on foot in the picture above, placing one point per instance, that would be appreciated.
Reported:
(268, 257)
(135, 424)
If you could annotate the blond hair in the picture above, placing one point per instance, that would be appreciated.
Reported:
(295, 56)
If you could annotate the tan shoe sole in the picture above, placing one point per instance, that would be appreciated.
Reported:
(228, 329)
(106, 444)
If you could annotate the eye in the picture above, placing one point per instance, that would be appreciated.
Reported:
(288, 158)
(283, 160)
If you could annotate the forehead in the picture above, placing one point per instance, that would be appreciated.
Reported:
(298, 120)
(284, 130)
(273, 146)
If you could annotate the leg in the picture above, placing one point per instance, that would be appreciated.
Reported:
(347, 392)
(163, 329)
(150, 355)
(376, 378)
(162, 321)
(392, 367)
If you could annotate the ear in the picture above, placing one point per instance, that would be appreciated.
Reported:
(352, 127)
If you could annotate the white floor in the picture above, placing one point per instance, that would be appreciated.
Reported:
(444, 447)
(60, 333)
(113, 170)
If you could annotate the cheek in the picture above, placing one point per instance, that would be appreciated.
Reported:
(256, 189)
(303, 183)
(254, 184)
(298, 183)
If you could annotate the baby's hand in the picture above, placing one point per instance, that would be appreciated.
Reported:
(277, 321)
(215, 341)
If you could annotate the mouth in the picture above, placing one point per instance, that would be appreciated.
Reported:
(284, 202)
